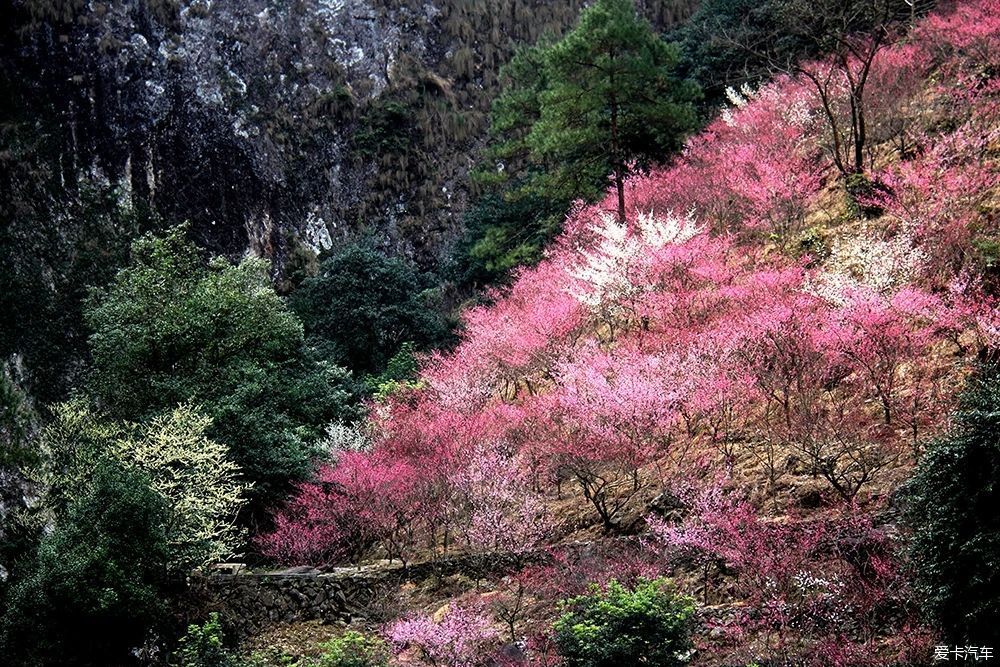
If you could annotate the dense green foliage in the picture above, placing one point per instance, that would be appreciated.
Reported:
(732, 42)
(126, 511)
(171, 329)
(584, 107)
(715, 43)
(203, 646)
(953, 501)
(508, 161)
(648, 625)
(611, 99)
(363, 306)
(17, 452)
(572, 113)
(95, 587)
(353, 649)
(400, 374)
(504, 231)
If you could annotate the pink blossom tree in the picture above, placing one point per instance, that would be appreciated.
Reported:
(463, 636)
(362, 502)
(493, 496)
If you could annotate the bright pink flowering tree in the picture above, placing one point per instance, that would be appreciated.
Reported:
(518, 336)
(493, 500)
(362, 502)
(818, 369)
(969, 28)
(608, 416)
(772, 167)
(940, 194)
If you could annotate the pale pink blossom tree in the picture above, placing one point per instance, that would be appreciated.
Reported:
(463, 636)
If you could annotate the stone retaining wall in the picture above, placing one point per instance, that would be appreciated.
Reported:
(248, 602)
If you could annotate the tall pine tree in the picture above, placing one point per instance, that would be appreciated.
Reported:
(572, 112)
(611, 98)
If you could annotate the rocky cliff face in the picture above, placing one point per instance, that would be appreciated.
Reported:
(274, 123)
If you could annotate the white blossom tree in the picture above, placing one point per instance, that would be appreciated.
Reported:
(194, 474)
(611, 274)
(196, 477)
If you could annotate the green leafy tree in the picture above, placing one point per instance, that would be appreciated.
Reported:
(400, 374)
(504, 231)
(953, 498)
(363, 306)
(646, 625)
(714, 44)
(96, 586)
(172, 329)
(572, 112)
(508, 161)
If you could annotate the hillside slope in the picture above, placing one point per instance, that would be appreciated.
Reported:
(764, 343)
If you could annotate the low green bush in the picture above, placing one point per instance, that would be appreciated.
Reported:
(353, 649)
(648, 624)
(203, 646)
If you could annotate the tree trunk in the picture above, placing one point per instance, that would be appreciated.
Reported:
(620, 187)
(616, 155)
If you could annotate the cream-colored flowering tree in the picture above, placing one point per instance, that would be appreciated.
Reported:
(198, 480)
(194, 474)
